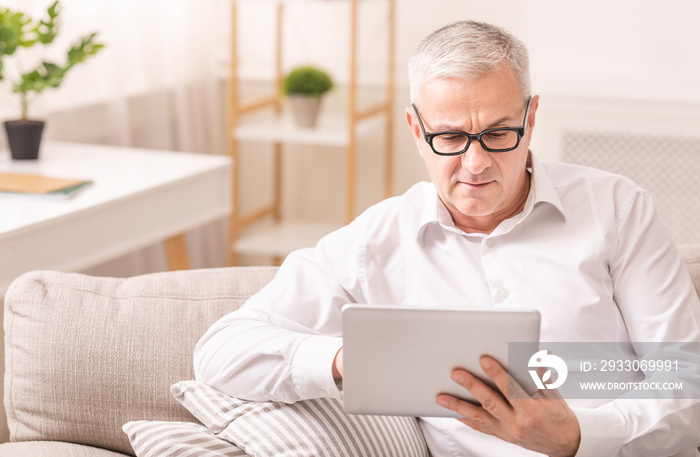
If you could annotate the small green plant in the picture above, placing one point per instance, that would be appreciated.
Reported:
(307, 80)
(19, 31)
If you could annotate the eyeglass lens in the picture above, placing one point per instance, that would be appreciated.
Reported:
(495, 139)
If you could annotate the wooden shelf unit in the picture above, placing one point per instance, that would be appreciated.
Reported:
(287, 237)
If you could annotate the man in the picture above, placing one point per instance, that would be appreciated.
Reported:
(496, 227)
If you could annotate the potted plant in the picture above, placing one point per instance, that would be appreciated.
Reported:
(304, 87)
(18, 31)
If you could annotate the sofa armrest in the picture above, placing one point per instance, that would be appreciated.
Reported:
(86, 354)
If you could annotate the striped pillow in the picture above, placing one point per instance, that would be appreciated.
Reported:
(313, 428)
(177, 439)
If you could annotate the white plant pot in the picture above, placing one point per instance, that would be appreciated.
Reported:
(305, 109)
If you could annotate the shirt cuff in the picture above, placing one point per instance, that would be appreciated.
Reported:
(602, 432)
(312, 367)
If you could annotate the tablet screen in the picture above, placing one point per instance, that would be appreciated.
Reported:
(396, 360)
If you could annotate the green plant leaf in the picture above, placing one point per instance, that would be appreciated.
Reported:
(47, 75)
(83, 49)
(47, 29)
(51, 11)
(307, 80)
(17, 30)
(12, 33)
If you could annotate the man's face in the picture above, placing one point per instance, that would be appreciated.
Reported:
(479, 188)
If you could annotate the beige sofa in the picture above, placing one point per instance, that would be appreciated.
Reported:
(84, 355)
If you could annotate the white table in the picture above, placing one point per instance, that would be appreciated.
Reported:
(139, 198)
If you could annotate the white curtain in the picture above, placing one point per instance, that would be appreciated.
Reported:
(158, 83)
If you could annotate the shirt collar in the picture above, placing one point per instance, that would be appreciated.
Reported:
(542, 188)
(541, 191)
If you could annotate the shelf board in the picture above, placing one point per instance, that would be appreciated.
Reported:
(279, 240)
(331, 130)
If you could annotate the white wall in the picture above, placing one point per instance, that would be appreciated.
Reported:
(642, 49)
(620, 49)
(639, 49)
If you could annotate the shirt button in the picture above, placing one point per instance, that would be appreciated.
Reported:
(503, 293)
(323, 392)
(490, 243)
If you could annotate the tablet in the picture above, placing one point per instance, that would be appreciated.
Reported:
(396, 360)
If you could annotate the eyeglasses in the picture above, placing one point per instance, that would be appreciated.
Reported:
(502, 139)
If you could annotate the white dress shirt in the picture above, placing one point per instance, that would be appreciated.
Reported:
(587, 251)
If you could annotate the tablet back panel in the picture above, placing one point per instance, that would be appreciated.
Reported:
(397, 359)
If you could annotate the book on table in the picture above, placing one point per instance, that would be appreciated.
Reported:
(39, 185)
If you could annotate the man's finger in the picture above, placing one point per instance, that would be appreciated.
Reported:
(490, 400)
(505, 383)
(470, 415)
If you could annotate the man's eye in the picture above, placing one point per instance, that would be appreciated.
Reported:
(451, 138)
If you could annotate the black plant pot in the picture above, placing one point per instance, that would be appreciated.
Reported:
(24, 138)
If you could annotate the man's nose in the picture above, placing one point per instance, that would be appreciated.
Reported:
(476, 159)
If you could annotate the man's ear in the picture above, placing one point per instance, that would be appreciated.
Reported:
(532, 115)
(415, 128)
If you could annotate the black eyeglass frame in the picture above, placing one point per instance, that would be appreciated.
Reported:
(473, 136)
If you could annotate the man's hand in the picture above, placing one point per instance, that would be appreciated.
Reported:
(542, 423)
(338, 365)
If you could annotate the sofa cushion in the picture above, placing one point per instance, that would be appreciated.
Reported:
(53, 449)
(84, 355)
(313, 428)
(175, 439)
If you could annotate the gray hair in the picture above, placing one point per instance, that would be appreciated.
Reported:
(466, 50)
